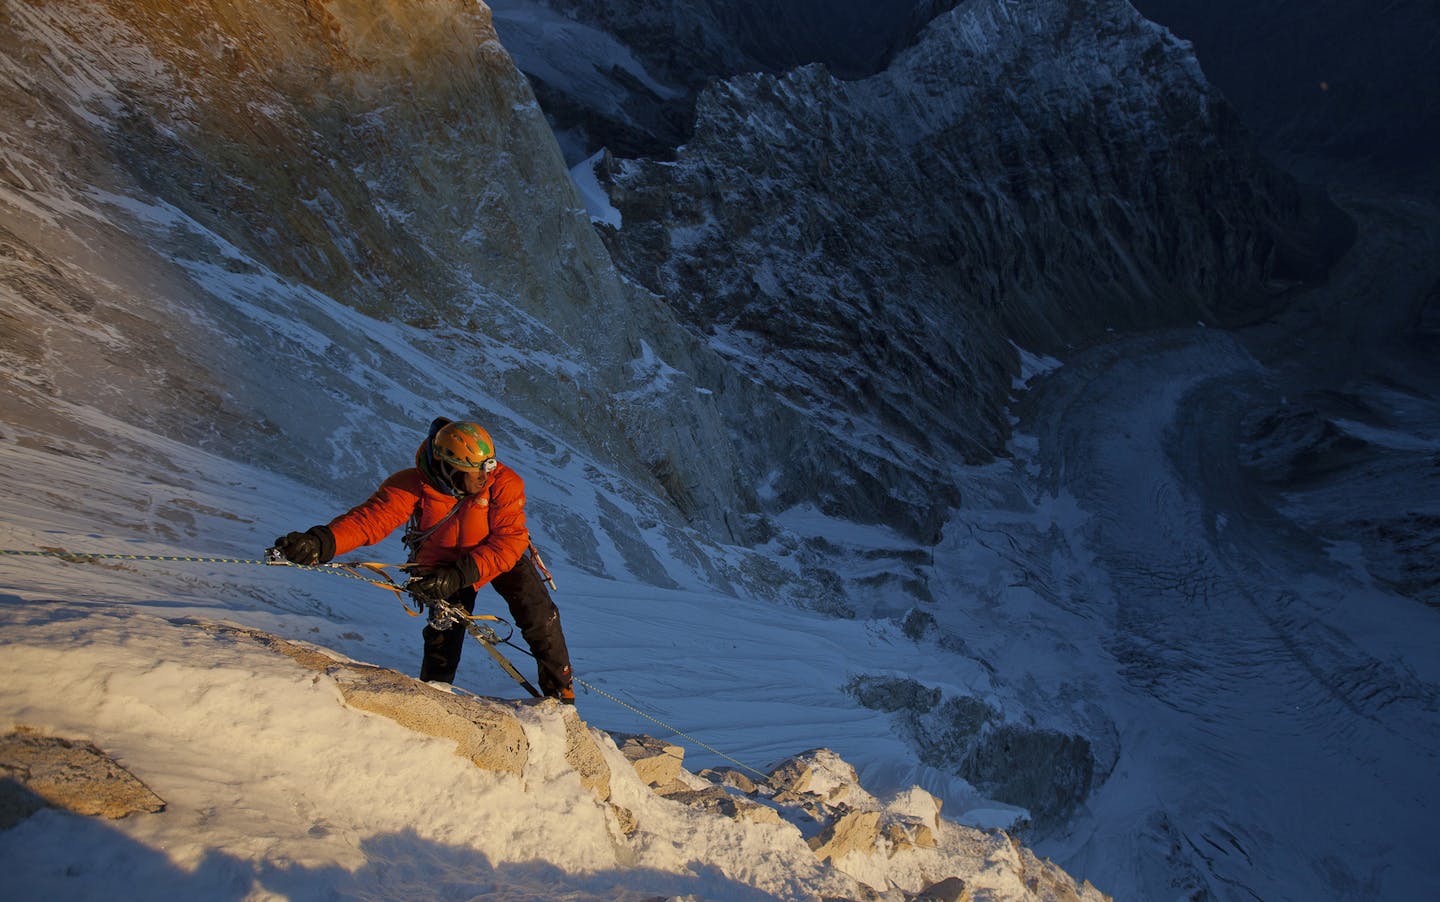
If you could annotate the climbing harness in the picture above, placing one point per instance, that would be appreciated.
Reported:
(441, 612)
(414, 536)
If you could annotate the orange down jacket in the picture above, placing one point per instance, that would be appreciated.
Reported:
(488, 526)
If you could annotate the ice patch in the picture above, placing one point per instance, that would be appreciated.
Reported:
(597, 202)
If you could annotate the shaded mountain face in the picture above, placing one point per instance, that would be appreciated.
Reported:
(872, 250)
(1328, 85)
(851, 38)
(629, 71)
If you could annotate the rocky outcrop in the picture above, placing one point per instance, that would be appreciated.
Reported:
(488, 732)
(1045, 771)
(899, 843)
(717, 800)
(855, 831)
(484, 730)
(867, 251)
(656, 762)
(38, 771)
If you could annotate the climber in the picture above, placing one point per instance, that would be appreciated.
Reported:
(466, 527)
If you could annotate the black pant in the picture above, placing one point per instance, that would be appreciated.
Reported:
(533, 611)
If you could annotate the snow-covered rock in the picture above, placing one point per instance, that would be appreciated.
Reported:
(656, 762)
(486, 733)
(306, 785)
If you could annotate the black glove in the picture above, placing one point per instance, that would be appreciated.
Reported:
(437, 582)
(313, 546)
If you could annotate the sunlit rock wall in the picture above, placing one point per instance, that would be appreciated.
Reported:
(208, 207)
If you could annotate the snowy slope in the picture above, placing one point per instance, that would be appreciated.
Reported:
(275, 789)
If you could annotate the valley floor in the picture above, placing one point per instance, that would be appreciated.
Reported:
(1256, 501)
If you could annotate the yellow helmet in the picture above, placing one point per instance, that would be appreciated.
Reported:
(451, 451)
(464, 446)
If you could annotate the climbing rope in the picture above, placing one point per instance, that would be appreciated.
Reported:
(764, 777)
(78, 557)
(347, 569)
(676, 731)
(350, 570)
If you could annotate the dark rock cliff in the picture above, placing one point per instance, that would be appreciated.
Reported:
(868, 250)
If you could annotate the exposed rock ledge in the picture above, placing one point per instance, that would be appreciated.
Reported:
(38, 771)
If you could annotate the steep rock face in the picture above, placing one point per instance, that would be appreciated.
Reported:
(199, 198)
(868, 250)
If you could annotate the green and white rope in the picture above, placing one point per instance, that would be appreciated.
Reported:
(678, 732)
(80, 557)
